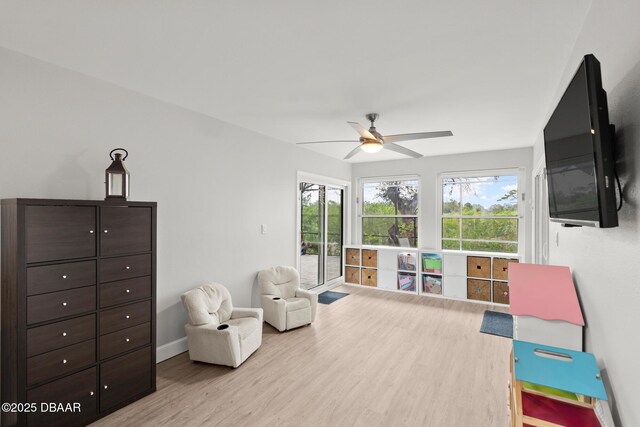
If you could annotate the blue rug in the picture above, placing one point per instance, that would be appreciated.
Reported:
(328, 297)
(500, 324)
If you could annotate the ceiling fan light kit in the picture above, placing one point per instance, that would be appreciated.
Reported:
(371, 146)
(371, 141)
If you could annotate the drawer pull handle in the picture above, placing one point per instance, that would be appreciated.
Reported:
(90, 231)
(106, 387)
(90, 393)
(127, 340)
(64, 360)
(128, 291)
(64, 304)
(127, 316)
(64, 276)
(64, 334)
(128, 268)
(106, 231)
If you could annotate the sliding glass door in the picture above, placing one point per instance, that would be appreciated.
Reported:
(321, 233)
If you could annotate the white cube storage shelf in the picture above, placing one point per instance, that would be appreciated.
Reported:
(473, 276)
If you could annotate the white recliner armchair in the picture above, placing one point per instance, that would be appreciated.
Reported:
(285, 304)
(218, 333)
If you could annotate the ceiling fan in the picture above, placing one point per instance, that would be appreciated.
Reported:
(371, 141)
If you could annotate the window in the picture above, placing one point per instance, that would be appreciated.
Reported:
(390, 212)
(480, 213)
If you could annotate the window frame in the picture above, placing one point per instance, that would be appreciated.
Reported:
(360, 206)
(519, 173)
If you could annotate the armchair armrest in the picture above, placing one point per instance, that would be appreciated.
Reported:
(247, 312)
(312, 297)
(208, 344)
(275, 311)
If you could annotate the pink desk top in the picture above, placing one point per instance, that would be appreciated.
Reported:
(544, 291)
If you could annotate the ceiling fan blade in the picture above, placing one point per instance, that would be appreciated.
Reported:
(325, 142)
(362, 131)
(412, 136)
(352, 153)
(402, 150)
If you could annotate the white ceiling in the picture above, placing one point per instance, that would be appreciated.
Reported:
(298, 70)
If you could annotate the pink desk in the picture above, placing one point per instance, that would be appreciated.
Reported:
(545, 306)
(544, 291)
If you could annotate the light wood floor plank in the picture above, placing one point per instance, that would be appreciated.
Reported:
(371, 359)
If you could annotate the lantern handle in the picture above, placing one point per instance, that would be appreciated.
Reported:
(116, 149)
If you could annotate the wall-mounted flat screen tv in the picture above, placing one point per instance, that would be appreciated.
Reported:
(578, 145)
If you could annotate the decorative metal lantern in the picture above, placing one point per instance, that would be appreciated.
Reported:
(117, 176)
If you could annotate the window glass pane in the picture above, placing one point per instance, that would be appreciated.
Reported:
(389, 231)
(390, 198)
(450, 199)
(450, 228)
(492, 195)
(334, 233)
(489, 246)
(490, 229)
(451, 244)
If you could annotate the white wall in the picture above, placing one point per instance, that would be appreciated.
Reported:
(605, 262)
(214, 183)
(428, 169)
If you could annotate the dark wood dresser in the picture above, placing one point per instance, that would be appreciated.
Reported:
(78, 308)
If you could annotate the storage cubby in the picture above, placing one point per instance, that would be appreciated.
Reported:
(479, 266)
(479, 290)
(407, 261)
(369, 277)
(352, 275)
(476, 276)
(501, 268)
(501, 292)
(369, 258)
(432, 269)
(407, 282)
(352, 256)
(432, 284)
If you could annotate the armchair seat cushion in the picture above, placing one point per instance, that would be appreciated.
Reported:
(293, 304)
(246, 326)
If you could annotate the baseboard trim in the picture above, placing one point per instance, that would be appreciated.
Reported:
(169, 350)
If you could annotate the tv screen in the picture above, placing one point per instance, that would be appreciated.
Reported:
(579, 153)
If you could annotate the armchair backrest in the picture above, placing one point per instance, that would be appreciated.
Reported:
(210, 303)
(281, 281)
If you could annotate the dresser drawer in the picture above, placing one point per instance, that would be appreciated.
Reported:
(124, 378)
(60, 232)
(125, 230)
(59, 277)
(124, 340)
(78, 388)
(112, 269)
(45, 307)
(123, 291)
(60, 334)
(59, 362)
(124, 317)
